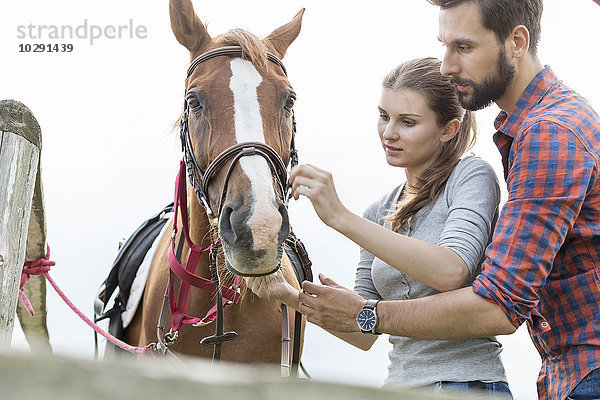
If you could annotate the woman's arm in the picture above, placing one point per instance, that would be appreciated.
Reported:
(436, 266)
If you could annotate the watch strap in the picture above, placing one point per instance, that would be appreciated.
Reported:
(372, 305)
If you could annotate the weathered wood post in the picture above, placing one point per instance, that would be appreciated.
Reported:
(34, 326)
(22, 231)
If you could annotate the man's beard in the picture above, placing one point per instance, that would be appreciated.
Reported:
(491, 89)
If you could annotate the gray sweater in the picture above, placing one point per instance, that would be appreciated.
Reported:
(461, 219)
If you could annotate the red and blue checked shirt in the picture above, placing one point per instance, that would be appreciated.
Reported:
(543, 265)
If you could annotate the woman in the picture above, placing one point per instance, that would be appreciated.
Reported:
(425, 236)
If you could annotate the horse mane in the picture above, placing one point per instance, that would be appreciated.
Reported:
(253, 49)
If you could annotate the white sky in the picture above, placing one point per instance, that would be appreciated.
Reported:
(109, 157)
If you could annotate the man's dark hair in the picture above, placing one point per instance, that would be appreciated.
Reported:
(501, 16)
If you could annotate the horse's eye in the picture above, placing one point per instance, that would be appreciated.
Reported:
(194, 103)
(289, 103)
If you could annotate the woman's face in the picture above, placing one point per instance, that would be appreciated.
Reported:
(408, 129)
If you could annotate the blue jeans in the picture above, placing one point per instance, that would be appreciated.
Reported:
(498, 390)
(588, 388)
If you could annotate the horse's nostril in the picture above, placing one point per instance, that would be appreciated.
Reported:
(225, 228)
(233, 227)
(284, 232)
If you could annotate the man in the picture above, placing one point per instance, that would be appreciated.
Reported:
(543, 265)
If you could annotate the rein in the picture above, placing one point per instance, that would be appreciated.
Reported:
(200, 181)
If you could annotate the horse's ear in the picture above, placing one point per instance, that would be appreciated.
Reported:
(187, 27)
(283, 36)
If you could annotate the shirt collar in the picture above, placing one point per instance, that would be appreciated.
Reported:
(509, 123)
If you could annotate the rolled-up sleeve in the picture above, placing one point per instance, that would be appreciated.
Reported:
(549, 174)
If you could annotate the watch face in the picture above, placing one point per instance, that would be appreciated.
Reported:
(366, 319)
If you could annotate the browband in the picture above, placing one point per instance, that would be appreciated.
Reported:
(228, 51)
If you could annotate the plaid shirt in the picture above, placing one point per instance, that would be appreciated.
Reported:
(543, 265)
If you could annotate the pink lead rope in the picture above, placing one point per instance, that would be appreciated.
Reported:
(41, 266)
(31, 268)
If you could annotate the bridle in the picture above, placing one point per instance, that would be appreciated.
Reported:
(199, 179)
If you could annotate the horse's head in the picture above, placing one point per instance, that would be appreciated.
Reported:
(239, 98)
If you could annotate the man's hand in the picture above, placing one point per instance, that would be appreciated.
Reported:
(331, 306)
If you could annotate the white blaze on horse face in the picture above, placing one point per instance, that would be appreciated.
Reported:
(266, 220)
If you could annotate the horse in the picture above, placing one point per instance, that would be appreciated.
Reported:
(237, 97)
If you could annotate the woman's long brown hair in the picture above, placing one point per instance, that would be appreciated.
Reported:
(423, 76)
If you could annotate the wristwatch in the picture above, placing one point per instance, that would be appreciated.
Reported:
(367, 317)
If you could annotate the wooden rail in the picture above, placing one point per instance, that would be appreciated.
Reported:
(29, 377)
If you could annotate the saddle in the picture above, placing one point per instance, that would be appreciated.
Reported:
(118, 284)
(124, 270)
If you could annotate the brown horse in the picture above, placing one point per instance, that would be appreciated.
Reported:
(231, 99)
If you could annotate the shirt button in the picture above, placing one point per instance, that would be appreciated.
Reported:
(545, 325)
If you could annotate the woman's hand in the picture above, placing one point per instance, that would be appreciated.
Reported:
(317, 184)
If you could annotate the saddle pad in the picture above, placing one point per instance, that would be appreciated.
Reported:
(129, 258)
(139, 282)
(117, 287)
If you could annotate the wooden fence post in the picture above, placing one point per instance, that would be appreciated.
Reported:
(34, 326)
(20, 140)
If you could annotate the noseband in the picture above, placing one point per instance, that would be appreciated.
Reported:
(201, 179)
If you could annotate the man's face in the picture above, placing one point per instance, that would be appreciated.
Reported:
(473, 58)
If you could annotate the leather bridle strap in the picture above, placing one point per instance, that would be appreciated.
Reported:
(296, 345)
(247, 149)
(235, 152)
(228, 51)
(285, 342)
